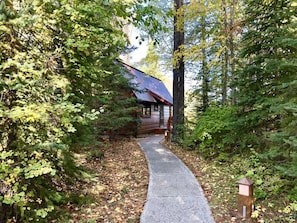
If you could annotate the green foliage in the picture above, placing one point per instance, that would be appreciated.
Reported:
(80, 199)
(25, 175)
(267, 182)
(151, 19)
(267, 104)
(208, 136)
(292, 210)
(117, 111)
(150, 64)
(270, 64)
(36, 117)
(58, 77)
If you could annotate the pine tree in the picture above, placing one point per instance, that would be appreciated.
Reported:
(267, 80)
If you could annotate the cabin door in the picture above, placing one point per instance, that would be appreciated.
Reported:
(161, 115)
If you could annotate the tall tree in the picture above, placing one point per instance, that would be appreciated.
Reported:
(268, 79)
(178, 72)
(232, 49)
(221, 34)
(205, 71)
(225, 55)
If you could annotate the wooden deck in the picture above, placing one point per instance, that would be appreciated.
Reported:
(160, 130)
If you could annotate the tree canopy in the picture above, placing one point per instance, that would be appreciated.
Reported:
(241, 56)
(61, 87)
(59, 84)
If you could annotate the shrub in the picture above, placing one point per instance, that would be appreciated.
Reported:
(210, 135)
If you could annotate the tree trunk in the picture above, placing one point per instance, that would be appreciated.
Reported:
(205, 87)
(232, 56)
(178, 74)
(225, 57)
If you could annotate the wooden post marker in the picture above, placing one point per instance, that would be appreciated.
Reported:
(245, 197)
(167, 136)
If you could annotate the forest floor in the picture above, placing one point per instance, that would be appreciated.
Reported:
(220, 187)
(117, 189)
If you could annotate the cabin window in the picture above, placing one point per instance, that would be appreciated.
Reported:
(146, 111)
(156, 107)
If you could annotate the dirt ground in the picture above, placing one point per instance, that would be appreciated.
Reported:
(118, 188)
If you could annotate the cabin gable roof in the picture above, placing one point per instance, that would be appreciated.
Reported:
(148, 88)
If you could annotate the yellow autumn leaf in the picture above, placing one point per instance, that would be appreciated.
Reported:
(118, 210)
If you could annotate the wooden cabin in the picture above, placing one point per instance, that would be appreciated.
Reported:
(155, 101)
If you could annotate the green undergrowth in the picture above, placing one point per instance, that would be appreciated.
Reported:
(272, 200)
(75, 197)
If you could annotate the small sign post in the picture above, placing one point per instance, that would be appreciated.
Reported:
(245, 197)
(167, 136)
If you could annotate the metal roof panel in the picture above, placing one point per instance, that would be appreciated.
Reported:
(147, 86)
